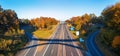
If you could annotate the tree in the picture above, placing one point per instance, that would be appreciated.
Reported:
(8, 20)
(112, 17)
(43, 22)
(11, 37)
(78, 21)
(116, 41)
(86, 18)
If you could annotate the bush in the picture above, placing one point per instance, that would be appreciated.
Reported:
(107, 36)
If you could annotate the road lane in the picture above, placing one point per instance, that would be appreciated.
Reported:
(29, 51)
(69, 49)
(61, 33)
(53, 48)
(79, 51)
(45, 49)
(60, 47)
(32, 50)
(62, 50)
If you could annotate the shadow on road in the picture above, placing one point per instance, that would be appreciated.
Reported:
(56, 40)
(65, 42)
(52, 41)
(70, 45)
(31, 37)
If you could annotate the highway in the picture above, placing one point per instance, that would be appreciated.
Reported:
(61, 33)
(70, 51)
(54, 48)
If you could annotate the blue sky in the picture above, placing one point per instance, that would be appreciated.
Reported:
(59, 9)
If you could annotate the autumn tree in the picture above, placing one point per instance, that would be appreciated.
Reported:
(68, 21)
(32, 22)
(43, 22)
(8, 20)
(24, 21)
(110, 33)
(11, 37)
(112, 17)
(78, 21)
(116, 41)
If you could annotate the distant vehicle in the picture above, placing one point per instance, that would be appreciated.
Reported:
(72, 28)
(81, 40)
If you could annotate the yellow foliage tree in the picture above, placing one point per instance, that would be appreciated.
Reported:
(83, 31)
(116, 41)
(112, 17)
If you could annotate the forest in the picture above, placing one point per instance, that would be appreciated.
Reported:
(43, 22)
(12, 38)
(108, 23)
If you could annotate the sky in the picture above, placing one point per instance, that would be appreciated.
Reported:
(59, 9)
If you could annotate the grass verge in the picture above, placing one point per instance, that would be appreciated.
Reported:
(44, 33)
(74, 34)
(82, 44)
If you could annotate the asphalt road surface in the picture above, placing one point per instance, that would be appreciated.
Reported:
(92, 46)
(54, 48)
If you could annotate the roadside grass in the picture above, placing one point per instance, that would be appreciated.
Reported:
(74, 34)
(44, 33)
(82, 44)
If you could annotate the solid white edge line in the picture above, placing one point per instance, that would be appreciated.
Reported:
(52, 51)
(73, 42)
(63, 45)
(49, 44)
(45, 50)
(28, 49)
(35, 50)
(59, 45)
(71, 54)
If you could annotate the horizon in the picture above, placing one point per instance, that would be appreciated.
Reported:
(58, 9)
